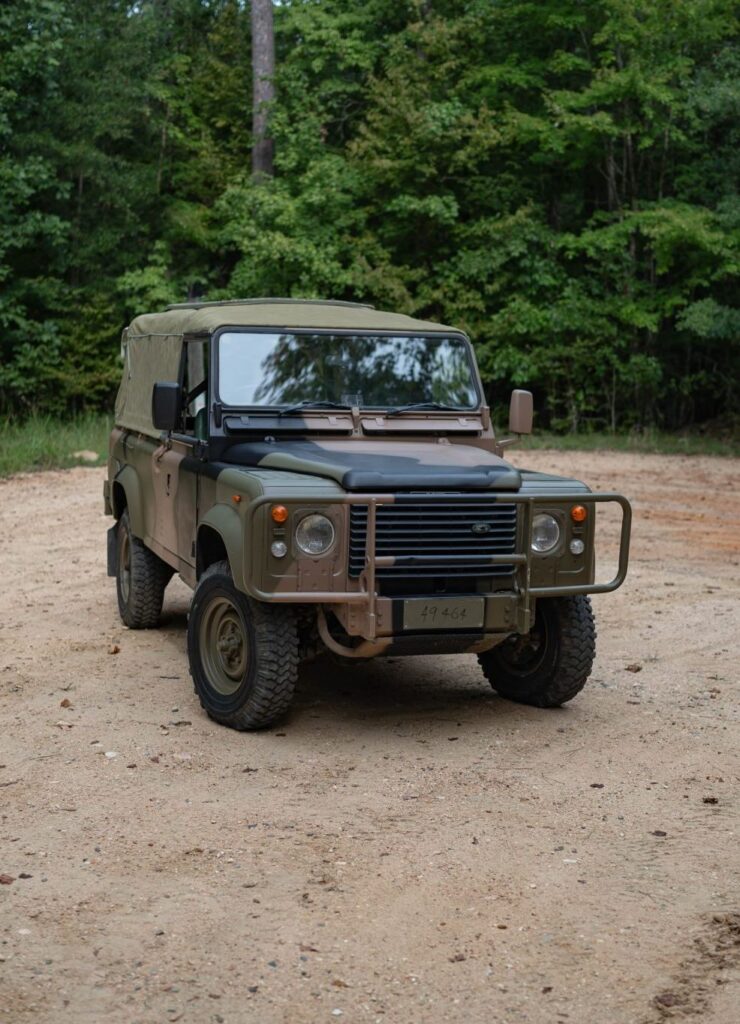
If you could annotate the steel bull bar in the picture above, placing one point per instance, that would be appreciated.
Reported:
(367, 593)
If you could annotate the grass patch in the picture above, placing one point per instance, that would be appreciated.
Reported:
(650, 442)
(44, 442)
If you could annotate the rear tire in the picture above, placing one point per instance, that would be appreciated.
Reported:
(549, 665)
(243, 653)
(141, 578)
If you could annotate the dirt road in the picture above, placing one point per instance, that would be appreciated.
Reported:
(407, 847)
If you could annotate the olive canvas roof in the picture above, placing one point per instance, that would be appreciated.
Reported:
(206, 317)
(152, 344)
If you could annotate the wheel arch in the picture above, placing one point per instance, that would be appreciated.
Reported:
(126, 494)
(220, 537)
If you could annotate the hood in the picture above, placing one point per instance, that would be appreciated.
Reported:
(382, 466)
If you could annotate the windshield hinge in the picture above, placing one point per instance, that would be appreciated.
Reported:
(354, 401)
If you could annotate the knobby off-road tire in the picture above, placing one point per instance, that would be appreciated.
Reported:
(243, 654)
(141, 578)
(551, 664)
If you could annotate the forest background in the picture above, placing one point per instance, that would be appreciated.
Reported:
(559, 178)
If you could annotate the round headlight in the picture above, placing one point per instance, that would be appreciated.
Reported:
(314, 534)
(545, 533)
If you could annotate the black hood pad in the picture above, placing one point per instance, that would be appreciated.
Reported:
(374, 466)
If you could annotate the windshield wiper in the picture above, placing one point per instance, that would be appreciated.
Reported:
(313, 403)
(421, 405)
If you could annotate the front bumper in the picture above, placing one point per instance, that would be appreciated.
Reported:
(508, 611)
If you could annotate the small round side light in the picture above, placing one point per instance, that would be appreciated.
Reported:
(279, 513)
(578, 513)
(279, 549)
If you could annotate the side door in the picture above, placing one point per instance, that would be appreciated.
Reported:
(174, 466)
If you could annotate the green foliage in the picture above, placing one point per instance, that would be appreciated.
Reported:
(560, 179)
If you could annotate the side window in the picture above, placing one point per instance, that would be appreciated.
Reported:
(196, 382)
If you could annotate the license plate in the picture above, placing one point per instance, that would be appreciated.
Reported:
(444, 613)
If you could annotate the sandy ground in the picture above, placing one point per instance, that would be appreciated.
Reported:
(407, 847)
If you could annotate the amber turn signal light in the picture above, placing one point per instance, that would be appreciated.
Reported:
(279, 513)
(578, 513)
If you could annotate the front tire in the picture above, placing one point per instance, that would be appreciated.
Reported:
(243, 653)
(141, 578)
(549, 665)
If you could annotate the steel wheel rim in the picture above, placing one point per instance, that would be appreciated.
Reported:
(124, 562)
(223, 645)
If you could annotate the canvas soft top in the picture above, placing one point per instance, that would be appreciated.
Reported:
(152, 343)
(206, 317)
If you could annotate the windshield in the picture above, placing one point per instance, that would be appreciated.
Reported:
(371, 371)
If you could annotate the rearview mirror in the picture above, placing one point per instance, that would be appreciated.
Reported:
(166, 405)
(520, 412)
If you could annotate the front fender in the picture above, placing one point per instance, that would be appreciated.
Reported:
(228, 524)
(128, 481)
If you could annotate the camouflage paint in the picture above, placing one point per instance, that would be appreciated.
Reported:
(179, 500)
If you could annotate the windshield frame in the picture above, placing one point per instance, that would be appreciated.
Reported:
(347, 332)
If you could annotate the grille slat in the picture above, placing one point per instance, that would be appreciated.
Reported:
(441, 515)
(433, 539)
(433, 536)
(442, 537)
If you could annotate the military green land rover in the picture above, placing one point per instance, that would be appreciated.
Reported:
(326, 478)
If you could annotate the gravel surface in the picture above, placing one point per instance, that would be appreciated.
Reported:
(406, 847)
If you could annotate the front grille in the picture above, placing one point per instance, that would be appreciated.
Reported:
(435, 539)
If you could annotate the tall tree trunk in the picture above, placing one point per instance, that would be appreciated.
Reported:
(263, 90)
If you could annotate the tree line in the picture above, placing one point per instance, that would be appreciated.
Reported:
(559, 178)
